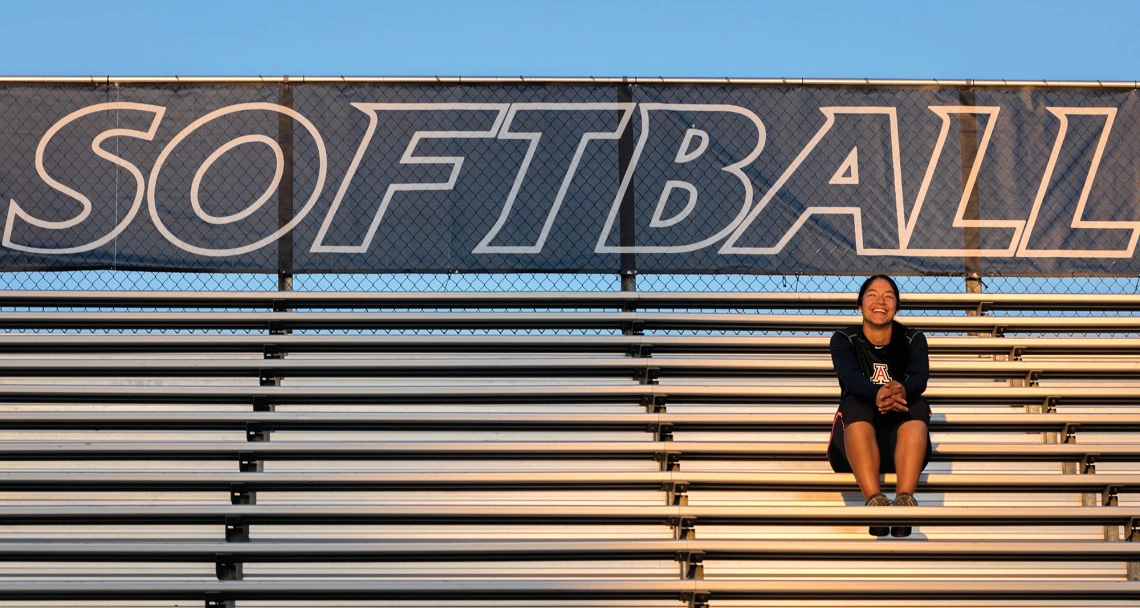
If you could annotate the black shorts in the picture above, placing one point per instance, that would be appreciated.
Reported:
(853, 409)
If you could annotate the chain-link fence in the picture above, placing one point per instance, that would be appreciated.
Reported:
(95, 280)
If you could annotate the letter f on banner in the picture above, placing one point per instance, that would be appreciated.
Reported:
(409, 157)
(843, 170)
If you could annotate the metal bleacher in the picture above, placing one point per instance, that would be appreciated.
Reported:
(570, 449)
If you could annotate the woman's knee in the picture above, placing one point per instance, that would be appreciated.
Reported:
(912, 444)
(860, 439)
(861, 428)
(913, 430)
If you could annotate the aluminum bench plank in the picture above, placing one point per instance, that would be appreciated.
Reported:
(323, 320)
(1057, 421)
(828, 323)
(466, 421)
(546, 480)
(563, 589)
(928, 482)
(563, 514)
(509, 550)
(687, 393)
(532, 450)
(294, 343)
(539, 367)
(231, 343)
(278, 321)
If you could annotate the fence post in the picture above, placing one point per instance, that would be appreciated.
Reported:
(625, 211)
(968, 137)
(285, 188)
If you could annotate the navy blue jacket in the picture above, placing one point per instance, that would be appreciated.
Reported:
(907, 360)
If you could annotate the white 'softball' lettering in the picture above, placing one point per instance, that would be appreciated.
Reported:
(1078, 222)
(938, 167)
(774, 219)
(684, 175)
(852, 164)
(409, 157)
(16, 212)
(623, 111)
(200, 213)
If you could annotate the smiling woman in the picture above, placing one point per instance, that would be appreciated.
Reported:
(883, 367)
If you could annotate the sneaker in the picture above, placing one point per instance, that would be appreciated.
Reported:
(903, 500)
(878, 500)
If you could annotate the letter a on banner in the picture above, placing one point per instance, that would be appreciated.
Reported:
(848, 173)
(843, 170)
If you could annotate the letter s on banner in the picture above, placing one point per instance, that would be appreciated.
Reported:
(229, 219)
(16, 211)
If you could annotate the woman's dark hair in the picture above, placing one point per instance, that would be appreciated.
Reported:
(871, 279)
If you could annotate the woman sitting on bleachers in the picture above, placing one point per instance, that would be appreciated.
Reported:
(883, 367)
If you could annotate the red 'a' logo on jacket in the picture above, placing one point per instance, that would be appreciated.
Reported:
(880, 375)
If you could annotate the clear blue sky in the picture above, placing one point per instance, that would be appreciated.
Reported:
(1040, 39)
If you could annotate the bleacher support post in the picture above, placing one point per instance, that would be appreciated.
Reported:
(1132, 534)
(219, 603)
(696, 601)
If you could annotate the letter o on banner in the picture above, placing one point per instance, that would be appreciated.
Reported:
(197, 124)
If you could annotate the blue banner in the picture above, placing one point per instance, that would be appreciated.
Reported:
(570, 178)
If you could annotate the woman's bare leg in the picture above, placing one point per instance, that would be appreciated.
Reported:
(863, 456)
(910, 451)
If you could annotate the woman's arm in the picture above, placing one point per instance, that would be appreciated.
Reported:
(847, 368)
(917, 366)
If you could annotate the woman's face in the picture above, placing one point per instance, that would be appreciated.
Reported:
(879, 304)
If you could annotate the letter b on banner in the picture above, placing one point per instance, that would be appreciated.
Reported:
(688, 177)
